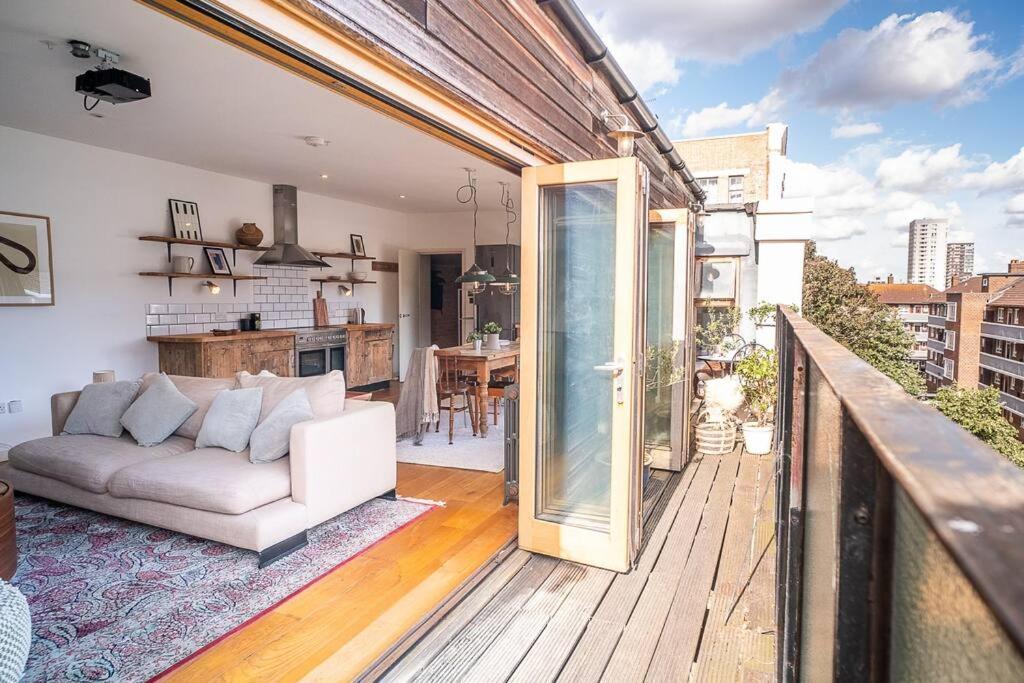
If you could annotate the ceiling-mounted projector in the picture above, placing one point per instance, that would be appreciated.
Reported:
(113, 85)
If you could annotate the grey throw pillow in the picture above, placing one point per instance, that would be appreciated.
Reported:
(230, 420)
(158, 412)
(271, 439)
(100, 407)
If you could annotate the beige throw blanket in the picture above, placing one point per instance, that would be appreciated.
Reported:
(417, 406)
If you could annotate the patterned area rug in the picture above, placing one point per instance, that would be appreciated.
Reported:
(115, 600)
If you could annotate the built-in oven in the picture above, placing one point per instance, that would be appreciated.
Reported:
(317, 352)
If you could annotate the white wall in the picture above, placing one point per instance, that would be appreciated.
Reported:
(99, 201)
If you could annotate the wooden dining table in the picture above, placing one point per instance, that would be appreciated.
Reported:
(482, 363)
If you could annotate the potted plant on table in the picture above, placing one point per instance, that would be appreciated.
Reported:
(476, 339)
(491, 332)
(759, 379)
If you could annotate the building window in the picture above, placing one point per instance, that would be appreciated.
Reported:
(710, 187)
(948, 367)
(984, 282)
(951, 340)
(951, 311)
(1000, 315)
(735, 189)
(999, 347)
(717, 279)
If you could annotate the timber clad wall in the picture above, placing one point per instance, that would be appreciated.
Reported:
(707, 156)
(506, 60)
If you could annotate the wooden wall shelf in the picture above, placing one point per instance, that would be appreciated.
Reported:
(344, 255)
(169, 241)
(171, 277)
(322, 280)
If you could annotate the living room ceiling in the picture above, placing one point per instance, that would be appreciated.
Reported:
(218, 108)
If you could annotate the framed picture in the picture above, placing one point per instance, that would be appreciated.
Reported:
(218, 260)
(185, 219)
(26, 260)
(357, 245)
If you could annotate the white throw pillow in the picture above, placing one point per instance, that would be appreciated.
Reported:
(271, 440)
(100, 407)
(326, 393)
(157, 412)
(230, 420)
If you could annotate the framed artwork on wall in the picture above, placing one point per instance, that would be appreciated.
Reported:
(218, 260)
(357, 245)
(26, 260)
(185, 219)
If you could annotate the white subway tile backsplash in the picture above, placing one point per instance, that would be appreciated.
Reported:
(175, 308)
(155, 309)
(158, 329)
(209, 308)
(152, 320)
(193, 308)
(179, 329)
(195, 329)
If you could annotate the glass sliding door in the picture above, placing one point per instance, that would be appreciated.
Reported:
(581, 371)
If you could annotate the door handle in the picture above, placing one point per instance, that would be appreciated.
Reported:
(611, 367)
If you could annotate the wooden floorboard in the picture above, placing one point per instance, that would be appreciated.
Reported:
(666, 620)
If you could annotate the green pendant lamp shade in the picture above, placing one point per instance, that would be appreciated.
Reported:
(476, 279)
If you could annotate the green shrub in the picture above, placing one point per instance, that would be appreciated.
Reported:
(979, 412)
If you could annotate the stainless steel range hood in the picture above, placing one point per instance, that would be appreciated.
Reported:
(286, 250)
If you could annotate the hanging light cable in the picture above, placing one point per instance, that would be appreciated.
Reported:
(476, 279)
(508, 282)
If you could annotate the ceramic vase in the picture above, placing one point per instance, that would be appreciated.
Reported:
(249, 235)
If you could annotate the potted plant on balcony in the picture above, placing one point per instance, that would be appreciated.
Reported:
(759, 379)
(476, 339)
(491, 332)
(715, 334)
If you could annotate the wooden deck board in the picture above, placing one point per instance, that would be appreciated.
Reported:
(663, 621)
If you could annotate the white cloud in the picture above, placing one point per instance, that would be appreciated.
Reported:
(922, 169)
(856, 130)
(931, 57)
(1015, 212)
(1006, 175)
(722, 31)
(647, 62)
(724, 117)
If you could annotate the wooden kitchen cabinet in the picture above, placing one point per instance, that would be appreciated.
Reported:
(206, 355)
(370, 355)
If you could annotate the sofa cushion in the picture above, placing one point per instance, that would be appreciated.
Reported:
(157, 412)
(100, 407)
(326, 392)
(86, 460)
(202, 390)
(272, 439)
(231, 419)
(205, 479)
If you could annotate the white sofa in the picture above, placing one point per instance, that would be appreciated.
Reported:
(335, 464)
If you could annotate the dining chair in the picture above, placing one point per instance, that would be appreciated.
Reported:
(451, 386)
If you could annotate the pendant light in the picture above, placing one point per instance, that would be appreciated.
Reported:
(476, 279)
(508, 282)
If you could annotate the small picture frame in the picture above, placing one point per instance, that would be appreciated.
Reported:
(358, 248)
(185, 219)
(218, 260)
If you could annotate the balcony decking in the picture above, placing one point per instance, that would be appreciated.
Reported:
(700, 603)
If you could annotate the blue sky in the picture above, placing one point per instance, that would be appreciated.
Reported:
(897, 110)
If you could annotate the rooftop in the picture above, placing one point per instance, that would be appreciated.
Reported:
(1012, 295)
(903, 293)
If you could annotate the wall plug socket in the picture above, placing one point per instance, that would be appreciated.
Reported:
(14, 406)
(3, 408)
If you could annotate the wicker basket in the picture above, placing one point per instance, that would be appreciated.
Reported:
(716, 438)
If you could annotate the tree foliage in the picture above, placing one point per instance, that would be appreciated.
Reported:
(979, 412)
(852, 315)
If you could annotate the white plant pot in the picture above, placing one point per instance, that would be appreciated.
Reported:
(493, 342)
(757, 440)
(477, 343)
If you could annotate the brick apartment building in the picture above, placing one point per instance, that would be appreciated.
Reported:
(1002, 350)
(911, 302)
(734, 169)
(955, 327)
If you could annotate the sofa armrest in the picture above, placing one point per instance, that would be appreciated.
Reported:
(342, 461)
(61, 406)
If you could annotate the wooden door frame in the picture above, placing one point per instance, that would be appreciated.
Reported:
(614, 549)
(684, 220)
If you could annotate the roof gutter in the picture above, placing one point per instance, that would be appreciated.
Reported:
(596, 54)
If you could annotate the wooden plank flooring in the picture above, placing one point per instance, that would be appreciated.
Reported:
(337, 627)
(699, 605)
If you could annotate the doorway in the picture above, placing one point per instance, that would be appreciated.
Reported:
(444, 314)
(430, 302)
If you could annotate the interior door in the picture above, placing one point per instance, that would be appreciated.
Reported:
(584, 231)
(408, 307)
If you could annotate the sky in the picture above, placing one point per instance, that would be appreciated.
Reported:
(896, 110)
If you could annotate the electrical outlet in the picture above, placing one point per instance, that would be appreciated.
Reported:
(14, 406)
(3, 408)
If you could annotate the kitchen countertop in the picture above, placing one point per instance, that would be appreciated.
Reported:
(209, 337)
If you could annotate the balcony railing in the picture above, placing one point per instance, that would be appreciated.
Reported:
(933, 369)
(1007, 366)
(937, 345)
(899, 551)
(1001, 331)
(937, 321)
(1011, 402)
(914, 317)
